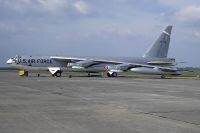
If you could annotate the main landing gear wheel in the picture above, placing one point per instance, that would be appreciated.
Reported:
(108, 74)
(57, 74)
(114, 74)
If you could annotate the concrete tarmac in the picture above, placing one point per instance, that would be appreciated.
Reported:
(98, 105)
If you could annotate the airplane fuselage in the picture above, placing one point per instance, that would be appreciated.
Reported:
(29, 63)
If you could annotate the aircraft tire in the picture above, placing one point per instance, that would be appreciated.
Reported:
(58, 74)
(108, 74)
(114, 74)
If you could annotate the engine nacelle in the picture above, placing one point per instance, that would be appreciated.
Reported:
(117, 68)
(81, 64)
(145, 70)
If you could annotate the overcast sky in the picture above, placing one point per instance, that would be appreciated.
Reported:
(98, 28)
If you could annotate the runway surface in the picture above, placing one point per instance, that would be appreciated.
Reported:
(98, 105)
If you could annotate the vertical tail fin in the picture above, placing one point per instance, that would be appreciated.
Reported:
(160, 48)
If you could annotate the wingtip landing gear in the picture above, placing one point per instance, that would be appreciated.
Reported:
(89, 75)
(162, 76)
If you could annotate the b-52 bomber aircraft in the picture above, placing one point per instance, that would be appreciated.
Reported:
(153, 62)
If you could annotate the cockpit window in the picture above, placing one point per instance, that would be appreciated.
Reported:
(16, 59)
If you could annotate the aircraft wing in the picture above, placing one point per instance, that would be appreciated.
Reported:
(67, 59)
(151, 66)
(84, 62)
(115, 66)
(128, 66)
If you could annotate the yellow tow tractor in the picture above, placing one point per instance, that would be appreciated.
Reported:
(23, 73)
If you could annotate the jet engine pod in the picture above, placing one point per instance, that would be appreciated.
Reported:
(146, 70)
(118, 68)
(85, 64)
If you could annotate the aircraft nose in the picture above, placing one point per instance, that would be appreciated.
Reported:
(10, 61)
